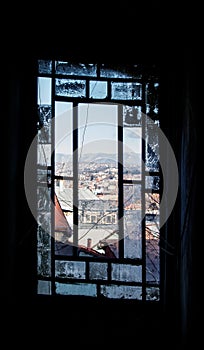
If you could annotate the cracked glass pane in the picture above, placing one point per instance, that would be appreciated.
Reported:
(44, 287)
(152, 146)
(44, 177)
(70, 87)
(126, 91)
(45, 66)
(152, 182)
(98, 89)
(98, 271)
(44, 230)
(70, 269)
(43, 252)
(152, 237)
(126, 273)
(44, 154)
(152, 93)
(121, 292)
(81, 69)
(86, 289)
(119, 71)
(153, 294)
(132, 221)
(132, 116)
(44, 123)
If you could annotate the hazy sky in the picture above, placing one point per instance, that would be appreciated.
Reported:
(97, 129)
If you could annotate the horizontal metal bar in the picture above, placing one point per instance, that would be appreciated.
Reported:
(98, 281)
(95, 100)
(134, 182)
(150, 190)
(152, 173)
(43, 167)
(129, 261)
(89, 77)
(62, 177)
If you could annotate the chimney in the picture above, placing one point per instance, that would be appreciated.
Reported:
(89, 241)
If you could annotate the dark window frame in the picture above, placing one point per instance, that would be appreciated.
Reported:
(76, 101)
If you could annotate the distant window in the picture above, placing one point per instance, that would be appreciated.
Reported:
(98, 215)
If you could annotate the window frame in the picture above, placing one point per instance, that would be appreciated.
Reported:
(76, 101)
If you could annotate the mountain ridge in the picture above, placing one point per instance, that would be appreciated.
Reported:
(129, 158)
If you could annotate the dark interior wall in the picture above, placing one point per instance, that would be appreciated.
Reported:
(135, 38)
(189, 227)
(181, 124)
(21, 122)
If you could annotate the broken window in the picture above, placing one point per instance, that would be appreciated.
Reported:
(98, 188)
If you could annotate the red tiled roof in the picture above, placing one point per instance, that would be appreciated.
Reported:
(61, 223)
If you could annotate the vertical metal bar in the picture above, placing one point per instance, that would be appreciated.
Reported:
(162, 263)
(75, 178)
(35, 237)
(143, 204)
(87, 270)
(98, 70)
(87, 88)
(53, 182)
(109, 272)
(109, 90)
(120, 181)
(98, 290)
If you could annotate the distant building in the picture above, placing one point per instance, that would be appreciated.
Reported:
(94, 215)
